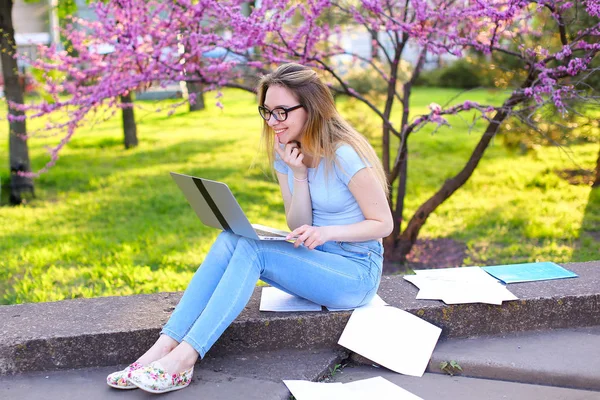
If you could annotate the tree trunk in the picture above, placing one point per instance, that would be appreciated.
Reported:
(390, 243)
(374, 45)
(196, 88)
(387, 112)
(597, 173)
(409, 236)
(129, 125)
(19, 153)
(400, 168)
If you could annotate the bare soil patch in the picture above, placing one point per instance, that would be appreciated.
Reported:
(430, 254)
(576, 176)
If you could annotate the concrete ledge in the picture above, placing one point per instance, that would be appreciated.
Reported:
(115, 330)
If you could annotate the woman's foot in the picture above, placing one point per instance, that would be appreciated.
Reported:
(162, 347)
(181, 358)
(172, 372)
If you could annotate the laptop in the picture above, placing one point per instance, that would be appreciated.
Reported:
(215, 205)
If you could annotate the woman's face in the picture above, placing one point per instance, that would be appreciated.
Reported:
(290, 129)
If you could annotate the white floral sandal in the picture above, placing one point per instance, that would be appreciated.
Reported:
(155, 379)
(120, 379)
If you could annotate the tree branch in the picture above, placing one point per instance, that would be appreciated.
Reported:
(356, 95)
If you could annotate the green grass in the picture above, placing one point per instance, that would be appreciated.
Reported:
(109, 221)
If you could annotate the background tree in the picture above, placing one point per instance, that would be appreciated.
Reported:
(19, 162)
(128, 116)
(130, 138)
(145, 52)
(547, 126)
(597, 172)
(21, 181)
(19, 152)
(196, 89)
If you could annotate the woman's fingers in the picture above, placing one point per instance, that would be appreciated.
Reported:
(291, 154)
(306, 235)
(313, 240)
(301, 239)
(311, 243)
(296, 232)
(295, 158)
(290, 148)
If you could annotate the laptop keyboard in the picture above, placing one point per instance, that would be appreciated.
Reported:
(265, 233)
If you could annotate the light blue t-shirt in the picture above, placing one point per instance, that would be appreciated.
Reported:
(332, 201)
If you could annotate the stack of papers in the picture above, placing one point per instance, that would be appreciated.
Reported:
(459, 286)
(273, 299)
(367, 389)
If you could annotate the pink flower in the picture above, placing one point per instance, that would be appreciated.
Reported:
(435, 108)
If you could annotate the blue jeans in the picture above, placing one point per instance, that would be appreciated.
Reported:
(335, 274)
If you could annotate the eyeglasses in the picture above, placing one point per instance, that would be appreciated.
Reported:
(280, 113)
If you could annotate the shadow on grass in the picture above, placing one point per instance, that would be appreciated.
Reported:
(115, 143)
(587, 247)
(489, 237)
(74, 172)
(150, 225)
(155, 215)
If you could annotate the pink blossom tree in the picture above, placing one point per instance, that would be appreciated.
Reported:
(243, 45)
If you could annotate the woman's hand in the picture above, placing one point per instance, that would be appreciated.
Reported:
(293, 157)
(310, 236)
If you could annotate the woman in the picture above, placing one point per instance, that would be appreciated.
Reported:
(334, 192)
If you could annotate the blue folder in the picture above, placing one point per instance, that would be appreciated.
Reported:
(528, 272)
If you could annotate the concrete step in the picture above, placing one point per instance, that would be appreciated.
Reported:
(253, 376)
(557, 362)
(113, 330)
(437, 386)
(565, 357)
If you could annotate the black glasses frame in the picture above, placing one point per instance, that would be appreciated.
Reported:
(265, 113)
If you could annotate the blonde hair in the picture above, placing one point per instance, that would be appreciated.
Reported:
(325, 129)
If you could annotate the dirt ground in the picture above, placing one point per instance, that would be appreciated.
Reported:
(429, 254)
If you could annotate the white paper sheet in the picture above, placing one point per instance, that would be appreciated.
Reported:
(392, 338)
(375, 302)
(305, 390)
(451, 292)
(460, 286)
(273, 299)
(378, 388)
(461, 273)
